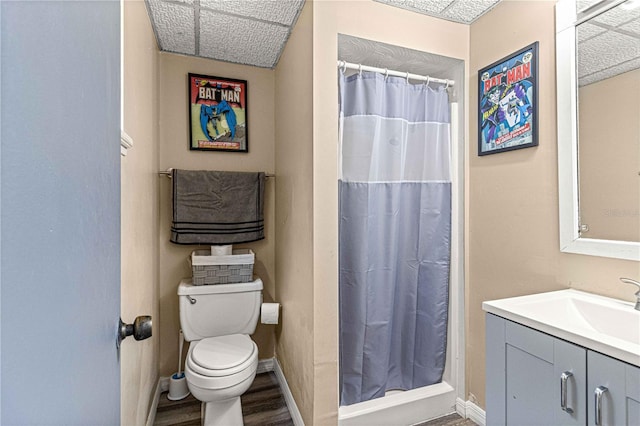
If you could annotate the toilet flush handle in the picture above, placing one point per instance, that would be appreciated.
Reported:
(191, 300)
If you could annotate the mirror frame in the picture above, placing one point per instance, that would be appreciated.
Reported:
(567, 106)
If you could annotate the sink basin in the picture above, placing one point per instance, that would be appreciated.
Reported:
(600, 323)
(620, 322)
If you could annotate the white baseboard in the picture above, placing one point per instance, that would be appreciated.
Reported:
(461, 407)
(469, 410)
(288, 396)
(265, 365)
(476, 414)
(151, 418)
(164, 384)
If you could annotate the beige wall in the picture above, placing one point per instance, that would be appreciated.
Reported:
(139, 192)
(377, 22)
(609, 129)
(294, 192)
(174, 152)
(512, 237)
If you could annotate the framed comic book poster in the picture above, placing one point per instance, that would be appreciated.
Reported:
(217, 114)
(508, 103)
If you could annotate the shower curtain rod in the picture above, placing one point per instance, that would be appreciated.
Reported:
(359, 67)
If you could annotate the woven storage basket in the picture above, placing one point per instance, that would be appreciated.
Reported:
(230, 269)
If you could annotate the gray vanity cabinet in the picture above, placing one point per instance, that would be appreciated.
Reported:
(533, 378)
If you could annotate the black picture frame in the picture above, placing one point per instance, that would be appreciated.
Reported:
(508, 102)
(218, 118)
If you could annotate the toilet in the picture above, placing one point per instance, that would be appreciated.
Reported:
(222, 359)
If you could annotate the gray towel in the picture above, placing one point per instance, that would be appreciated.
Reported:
(212, 207)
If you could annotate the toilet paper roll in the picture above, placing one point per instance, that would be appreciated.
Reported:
(269, 313)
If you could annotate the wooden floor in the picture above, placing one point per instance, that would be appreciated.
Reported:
(262, 405)
(450, 420)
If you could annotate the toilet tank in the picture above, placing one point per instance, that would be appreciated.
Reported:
(220, 309)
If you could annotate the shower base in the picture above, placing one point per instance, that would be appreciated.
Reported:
(401, 407)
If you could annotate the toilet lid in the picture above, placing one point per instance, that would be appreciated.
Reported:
(223, 352)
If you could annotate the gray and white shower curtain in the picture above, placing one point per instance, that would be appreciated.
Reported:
(395, 228)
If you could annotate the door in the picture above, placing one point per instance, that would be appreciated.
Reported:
(60, 212)
(613, 391)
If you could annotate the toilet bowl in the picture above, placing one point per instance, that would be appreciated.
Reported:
(218, 371)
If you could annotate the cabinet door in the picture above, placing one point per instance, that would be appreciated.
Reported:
(524, 369)
(618, 384)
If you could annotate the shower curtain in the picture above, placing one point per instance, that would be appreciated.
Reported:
(394, 234)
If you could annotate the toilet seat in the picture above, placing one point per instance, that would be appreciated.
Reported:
(221, 356)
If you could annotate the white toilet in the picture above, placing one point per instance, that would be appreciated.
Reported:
(222, 359)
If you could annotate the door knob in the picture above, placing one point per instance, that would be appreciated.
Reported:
(140, 329)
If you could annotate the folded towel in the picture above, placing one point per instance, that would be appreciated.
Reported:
(212, 207)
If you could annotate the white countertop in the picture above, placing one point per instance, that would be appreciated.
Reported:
(603, 324)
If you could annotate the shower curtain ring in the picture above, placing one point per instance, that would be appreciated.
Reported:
(386, 73)
(447, 86)
(360, 70)
(344, 67)
(407, 76)
(427, 82)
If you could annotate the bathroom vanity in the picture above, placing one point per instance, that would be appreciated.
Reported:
(562, 358)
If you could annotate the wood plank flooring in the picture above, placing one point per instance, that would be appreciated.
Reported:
(262, 405)
(450, 420)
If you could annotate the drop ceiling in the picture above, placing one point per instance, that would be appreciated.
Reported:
(254, 32)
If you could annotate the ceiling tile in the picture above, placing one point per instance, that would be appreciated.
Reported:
(604, 51)
(233, 39)
(174, 26)
(585, 4)
(632, 27)
(463, 11)
(587, 30)
(466, 11)
(278, 11)
(617, 16)
(429, 7)
(610, 72)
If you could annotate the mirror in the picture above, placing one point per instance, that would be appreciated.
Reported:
(608, 66)
(598, 88)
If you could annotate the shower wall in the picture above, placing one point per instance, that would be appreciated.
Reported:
(294, 202)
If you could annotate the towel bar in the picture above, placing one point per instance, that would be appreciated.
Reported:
(168, 174)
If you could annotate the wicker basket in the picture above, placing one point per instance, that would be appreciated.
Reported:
(230, 269)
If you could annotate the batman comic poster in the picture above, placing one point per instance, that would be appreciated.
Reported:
(217, 114)
(507, 109)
